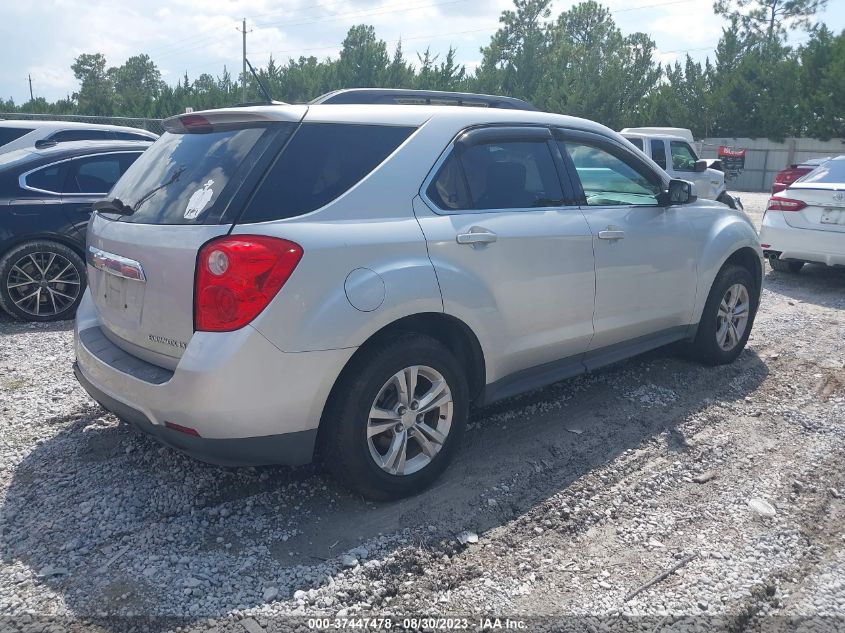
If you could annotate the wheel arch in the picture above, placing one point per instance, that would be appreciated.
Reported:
(732, 240)
(748, 258)
(456, 335)
(72, 244)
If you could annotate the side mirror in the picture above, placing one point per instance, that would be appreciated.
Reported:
(701, 165)
(679, 192)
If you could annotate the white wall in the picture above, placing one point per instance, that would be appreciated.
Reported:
(765, 158)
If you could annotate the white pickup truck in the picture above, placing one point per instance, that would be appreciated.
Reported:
(671, 148)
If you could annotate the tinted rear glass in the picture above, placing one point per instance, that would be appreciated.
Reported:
(97, 174)
(501, 175)
(9, 134)
(831, 172)
(658, 153)
(79, 135)
(46, 179)
(321, 162)
(129, 136)
(185, 178)
(636, 141)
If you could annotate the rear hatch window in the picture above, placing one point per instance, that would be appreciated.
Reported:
(189, 178)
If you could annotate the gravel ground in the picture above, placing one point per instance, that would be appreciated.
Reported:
(561, 505)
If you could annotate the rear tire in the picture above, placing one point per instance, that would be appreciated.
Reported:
(727, 317)
(41, 281)
(785, 266)
(359, 447)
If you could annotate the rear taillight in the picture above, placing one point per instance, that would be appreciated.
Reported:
(776, 203)
(237, 276)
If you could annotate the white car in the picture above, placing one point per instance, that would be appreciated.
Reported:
(27, 134)
(806, 222)
(671, 148)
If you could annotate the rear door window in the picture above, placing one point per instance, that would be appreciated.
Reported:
(187, 178)
(9, 134)
(320, 163)
(499, 175)
(658, 153)
(94, 174)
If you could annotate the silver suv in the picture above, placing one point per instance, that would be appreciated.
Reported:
(273, 282)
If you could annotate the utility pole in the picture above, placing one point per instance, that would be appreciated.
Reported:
(31, 98)
(243, 74)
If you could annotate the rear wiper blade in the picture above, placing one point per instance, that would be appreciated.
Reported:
(113, 206)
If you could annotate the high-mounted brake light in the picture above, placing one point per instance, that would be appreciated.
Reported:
(194, 121)
(776, 203)
(237, 277)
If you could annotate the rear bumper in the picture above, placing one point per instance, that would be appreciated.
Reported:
(821, 247)
(250, 403)
(292, 449)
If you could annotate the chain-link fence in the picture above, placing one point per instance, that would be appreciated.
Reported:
(151, 125)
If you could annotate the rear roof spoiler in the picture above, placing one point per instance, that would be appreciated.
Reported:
(391, 96)
(229, 118)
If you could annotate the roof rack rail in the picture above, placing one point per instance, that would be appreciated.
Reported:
(397, 96)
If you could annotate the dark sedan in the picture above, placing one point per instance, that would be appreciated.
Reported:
(45, 202)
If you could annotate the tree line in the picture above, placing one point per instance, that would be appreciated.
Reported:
(577, 63)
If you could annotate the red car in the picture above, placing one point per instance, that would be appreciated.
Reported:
(791, 173)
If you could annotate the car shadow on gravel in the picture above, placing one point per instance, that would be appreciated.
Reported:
(8, 325)
(820, 285)
(117, 524)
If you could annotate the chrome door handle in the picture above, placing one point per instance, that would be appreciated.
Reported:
(611, 235)
(477, 235)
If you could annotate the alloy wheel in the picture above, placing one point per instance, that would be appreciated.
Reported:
(409, 420)
(43, 283)
(732, 317)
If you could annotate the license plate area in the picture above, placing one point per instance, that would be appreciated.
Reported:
(833, 216)
(119, 299)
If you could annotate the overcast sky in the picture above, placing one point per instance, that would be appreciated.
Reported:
(42, 37)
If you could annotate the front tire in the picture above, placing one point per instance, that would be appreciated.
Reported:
(396, 417)
(727, 317)
(41, 281)
(785, 265)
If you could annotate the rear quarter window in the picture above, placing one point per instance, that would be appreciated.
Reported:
(320, 163)
(47, 178)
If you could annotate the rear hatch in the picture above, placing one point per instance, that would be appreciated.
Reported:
(186, 189)
(823, 193)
